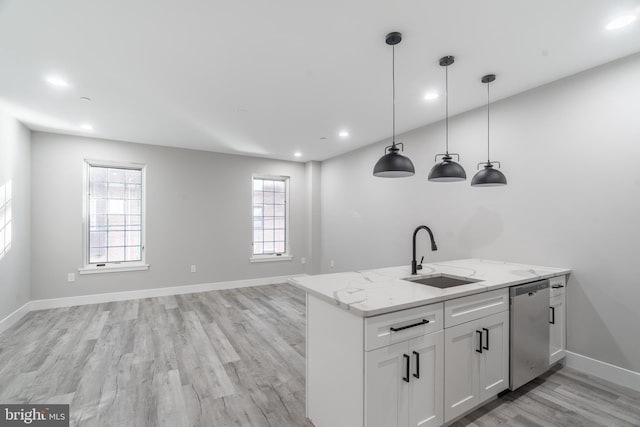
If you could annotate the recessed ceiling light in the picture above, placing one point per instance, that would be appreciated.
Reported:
(86, 126)
(297, 154)
(621, 21)
(430, 96)
(343, 133)
(57, 81)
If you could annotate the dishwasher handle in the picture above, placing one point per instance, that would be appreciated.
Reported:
(529, 288)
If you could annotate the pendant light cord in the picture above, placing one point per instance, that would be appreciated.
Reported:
(446, 103)
(393, 85)
(488, 139)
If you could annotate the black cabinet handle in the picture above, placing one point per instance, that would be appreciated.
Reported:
(553, 315)
(423, 322)
(479, 349)
(557, 286)
(408, 360)
(487, 343)
(417, 374)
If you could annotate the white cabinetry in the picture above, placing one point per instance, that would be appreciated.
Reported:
(381, 371)
(557, 320)
(494, 359)
(404, 383)
(423, 366)
(476, 351)
(404, 368)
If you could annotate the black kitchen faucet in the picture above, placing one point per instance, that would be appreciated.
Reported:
(414, 264)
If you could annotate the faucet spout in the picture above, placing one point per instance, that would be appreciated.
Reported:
(414, 263)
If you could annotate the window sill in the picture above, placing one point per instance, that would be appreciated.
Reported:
(113, 269)
(269, 258)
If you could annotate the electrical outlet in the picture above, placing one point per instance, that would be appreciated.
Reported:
(331, 264)
(303, 260)
(71, 277)
(193, 268)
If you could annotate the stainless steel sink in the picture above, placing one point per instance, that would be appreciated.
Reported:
(441, 282)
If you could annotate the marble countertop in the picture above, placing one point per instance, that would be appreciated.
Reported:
(374, 292)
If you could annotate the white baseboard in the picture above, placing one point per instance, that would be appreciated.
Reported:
(604, 370)
(43, 304)
(11, 319)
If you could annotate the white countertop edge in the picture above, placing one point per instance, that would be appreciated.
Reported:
(430, 270)
(376, 312)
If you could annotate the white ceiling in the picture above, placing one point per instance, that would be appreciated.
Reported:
(268, 78)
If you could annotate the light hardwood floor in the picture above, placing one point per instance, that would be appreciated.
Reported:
(561, 397)
(228, 358)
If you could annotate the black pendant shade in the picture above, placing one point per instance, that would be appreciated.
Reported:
(488, 176)
(447, 170)
(393, 164)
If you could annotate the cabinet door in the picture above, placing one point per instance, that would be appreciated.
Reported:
(494, 360)
(557, 331)
(461, 367)
(386, 388)
(426, 387)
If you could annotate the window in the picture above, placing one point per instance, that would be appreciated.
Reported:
(114, 220)
(270, 218)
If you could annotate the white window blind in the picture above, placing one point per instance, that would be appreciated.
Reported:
(270, 216)
(115, 221)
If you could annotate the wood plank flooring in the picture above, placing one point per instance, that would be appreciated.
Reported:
(228, 358)
(561, 397)
(222, 358)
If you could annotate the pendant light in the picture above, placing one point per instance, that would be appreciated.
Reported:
(488, 176)
(447, 170)
(394, 164)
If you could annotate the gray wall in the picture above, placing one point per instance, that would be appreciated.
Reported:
(198, 212)
(314, 216)
(15, 163)
(571, 153)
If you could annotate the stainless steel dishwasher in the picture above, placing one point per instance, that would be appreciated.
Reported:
(529, 334)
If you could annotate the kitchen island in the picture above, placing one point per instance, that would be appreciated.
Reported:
(376, 343)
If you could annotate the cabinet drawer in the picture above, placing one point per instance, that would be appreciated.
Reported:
(466, 309)
(408, 324)
(558, 285)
